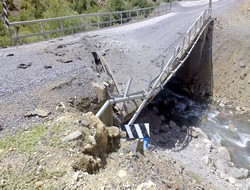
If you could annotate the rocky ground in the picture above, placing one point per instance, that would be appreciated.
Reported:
(75, 150)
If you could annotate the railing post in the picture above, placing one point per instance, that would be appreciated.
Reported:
(195, 28)
(62, 29)
(170, 5)
(16, 35)
(121, 17)
(43, 30)
(83, 23)
(210, 4)
(98, 20)
(183, 44)
(10, 36)
(129, 15)
(110, 19)
(189, 36)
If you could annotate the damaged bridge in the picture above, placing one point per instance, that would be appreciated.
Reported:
(147, 76)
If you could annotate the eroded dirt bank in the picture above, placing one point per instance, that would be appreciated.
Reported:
(231, 58)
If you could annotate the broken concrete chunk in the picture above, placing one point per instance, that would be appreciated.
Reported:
(137, 146)
(101, 92)
(73, 136)
(37, 112)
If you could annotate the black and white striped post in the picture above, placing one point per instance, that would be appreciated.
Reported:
(5, 12)
(137, 131)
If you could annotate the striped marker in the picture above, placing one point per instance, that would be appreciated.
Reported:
(6, 15)
(136, 131)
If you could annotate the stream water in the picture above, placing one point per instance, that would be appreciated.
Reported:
(221, 125)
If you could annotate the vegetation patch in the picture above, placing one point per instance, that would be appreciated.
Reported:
(27, 141)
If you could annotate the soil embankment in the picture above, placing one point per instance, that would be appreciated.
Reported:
(231, 58)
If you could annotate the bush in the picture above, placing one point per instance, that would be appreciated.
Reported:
(116, 5)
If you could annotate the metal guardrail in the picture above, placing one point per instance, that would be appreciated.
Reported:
(182, 50)
(44, 29)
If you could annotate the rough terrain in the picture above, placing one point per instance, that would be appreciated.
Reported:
(73, 150)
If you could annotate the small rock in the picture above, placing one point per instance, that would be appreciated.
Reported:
(68, 61)
(3, 183)
(162, 118)
(242, 64)
(224, 154)
(164, 128)
(88, 148)
(113, 132)
(241, 173)
(172, 124)
(73, 136)
(76, 176)
(39, 169)
(149, 185)
(155, 110)
(175, 185)
(85, 122)
(238, 108)
(39, 184)
(10, 55)
(231, 180)
(60, 107)
(243, 75)
(221, 166)
(177, 130)
(122, 173)
(61, 46)
(222, 105)
(47, 66)
(184, 128)
(24, 66)
(37, 112)
(196, 132)
(207, 159)
(101, 92)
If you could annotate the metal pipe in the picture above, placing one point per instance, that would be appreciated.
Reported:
(118, 100)
(210, 4)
